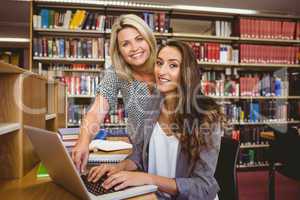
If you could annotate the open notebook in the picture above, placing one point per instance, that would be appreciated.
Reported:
(96, 159)
(108, 145)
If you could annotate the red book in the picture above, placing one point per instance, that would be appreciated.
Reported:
(162, 19)
(241, 24)
(206, 52)
(218, 53)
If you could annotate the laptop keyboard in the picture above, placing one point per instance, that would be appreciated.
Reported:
(96, 188)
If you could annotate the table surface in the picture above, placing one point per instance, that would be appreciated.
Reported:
(30, 187)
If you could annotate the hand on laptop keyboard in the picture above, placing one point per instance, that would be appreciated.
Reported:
(96, 188)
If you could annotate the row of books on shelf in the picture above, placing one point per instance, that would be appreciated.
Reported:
(72, 134)
(76, 113)
(84, 84)
(116, 115)
(263, 111)
(266, 54)
(246, 27)
(253, 157)
(249, 135)
(86, 20)
(68, 19)
(223, 28)
(158, 22)
(74, 66)
(68, 47)
(215, 52)
(268, 29)
(215, 83)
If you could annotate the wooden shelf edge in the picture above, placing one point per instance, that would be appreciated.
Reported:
(254, 97)
(9, 127)
(50, 116)
(81, 70)
(36, 58)
(254, 146)
(58, 30)
(81, 96)
(9, 68)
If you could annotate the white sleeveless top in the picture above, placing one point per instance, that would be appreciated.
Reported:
(162, 153)
(163, 156)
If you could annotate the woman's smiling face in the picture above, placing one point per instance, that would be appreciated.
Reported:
(167, 69)
(133, 47)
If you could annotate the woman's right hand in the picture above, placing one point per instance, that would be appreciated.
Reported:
(80, 155)
(97, 172)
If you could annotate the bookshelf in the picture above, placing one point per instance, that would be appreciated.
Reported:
(23, 102)
(225, 44)
(6, 128)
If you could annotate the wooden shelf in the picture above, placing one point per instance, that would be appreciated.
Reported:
(81, 96)
(265, 123)
(254, 146)
(271, 97)
(268, 65)
(256, 166)
(9, 127)
(68, 32)
(255, 97)
(248, 65)
(224, 97)
(260, 40)
(61, 31)
(158, 34)
(50, 116)
(252, 166)
(76, 60)
(10, 69)
(199, 36)
(81, 70)
(218, 64)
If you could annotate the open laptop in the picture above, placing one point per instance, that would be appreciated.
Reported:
(49, 147)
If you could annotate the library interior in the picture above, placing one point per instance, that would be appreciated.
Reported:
(76, 100)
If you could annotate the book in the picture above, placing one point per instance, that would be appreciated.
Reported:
(96, 159)
(69, 133)
(107, 145)
(42, 171)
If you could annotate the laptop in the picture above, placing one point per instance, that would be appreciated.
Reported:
(49, 147)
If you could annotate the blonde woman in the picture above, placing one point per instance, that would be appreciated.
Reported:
(133, 53)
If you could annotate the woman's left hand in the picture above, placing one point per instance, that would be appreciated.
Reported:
(125, 179)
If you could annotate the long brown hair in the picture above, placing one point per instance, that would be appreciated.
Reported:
(197, 114)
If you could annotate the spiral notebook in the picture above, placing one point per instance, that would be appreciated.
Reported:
(96, 159)
(107, 145)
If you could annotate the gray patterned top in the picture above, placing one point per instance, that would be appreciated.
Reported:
(136, 97)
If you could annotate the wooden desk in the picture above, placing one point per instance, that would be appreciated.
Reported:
(32, 188)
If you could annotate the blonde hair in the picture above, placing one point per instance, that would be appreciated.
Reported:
(124, 70)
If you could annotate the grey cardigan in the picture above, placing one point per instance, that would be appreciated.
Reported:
(198, 184)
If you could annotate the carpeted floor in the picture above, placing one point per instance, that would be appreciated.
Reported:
(254, 186)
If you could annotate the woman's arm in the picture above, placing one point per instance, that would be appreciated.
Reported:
(107, 92)
(201, 184)
(88, 129)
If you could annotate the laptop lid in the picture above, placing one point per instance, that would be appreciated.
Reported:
(57, 160)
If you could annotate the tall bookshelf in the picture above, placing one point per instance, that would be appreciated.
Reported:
(239, 63)
(24, 102)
